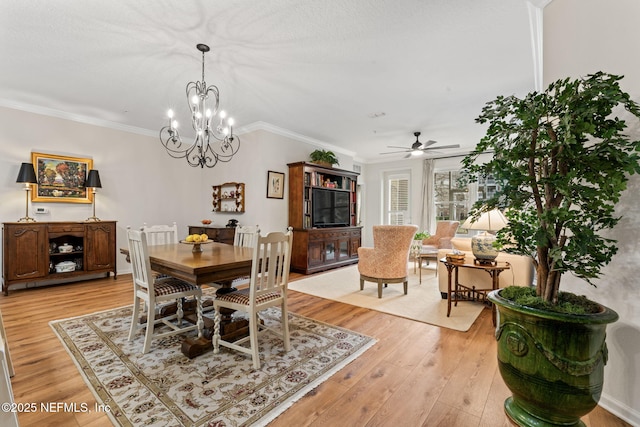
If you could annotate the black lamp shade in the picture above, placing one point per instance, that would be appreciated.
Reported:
(93, 180)
(27, 174)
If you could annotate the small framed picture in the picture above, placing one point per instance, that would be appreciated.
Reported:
(275, 185)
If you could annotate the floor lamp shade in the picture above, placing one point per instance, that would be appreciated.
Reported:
(27, 175)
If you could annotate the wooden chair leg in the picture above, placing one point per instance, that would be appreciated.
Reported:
(285, 326)
(380, 288)
(406, 286)
(253, 338)
(216, 330)
(135, 318)
(361, 283)
(151, 319)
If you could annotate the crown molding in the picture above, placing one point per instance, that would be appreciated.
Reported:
(75, 117)
(260, 125)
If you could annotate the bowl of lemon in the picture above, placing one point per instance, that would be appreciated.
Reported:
(197, 240)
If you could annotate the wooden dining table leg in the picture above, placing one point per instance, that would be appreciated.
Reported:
(231, 328)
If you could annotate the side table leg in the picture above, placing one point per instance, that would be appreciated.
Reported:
(449, 271)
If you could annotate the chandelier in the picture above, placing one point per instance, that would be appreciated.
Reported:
(214, 140)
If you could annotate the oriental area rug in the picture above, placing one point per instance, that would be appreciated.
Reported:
(165, 388)
(422, 303)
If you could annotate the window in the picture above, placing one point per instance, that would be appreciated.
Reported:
(397, 195)
(454, 200)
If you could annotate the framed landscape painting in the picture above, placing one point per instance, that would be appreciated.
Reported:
(61, 178)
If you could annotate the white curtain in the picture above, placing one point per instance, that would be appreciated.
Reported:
(427, 220)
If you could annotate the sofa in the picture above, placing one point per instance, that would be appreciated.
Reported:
(521, 272)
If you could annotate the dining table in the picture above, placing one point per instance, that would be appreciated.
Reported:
(218, 263)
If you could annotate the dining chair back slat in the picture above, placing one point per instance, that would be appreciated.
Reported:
(246, 236)
(160, 234)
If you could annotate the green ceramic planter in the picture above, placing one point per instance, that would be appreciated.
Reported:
(552, 363)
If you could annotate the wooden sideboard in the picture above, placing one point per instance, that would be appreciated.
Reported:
(31, 250)
(320, 249)
(217, 234)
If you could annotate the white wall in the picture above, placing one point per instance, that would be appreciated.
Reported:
(140, 181)
(582, 37)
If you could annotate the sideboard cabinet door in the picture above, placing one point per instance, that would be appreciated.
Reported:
(101, 239)
(25, 251)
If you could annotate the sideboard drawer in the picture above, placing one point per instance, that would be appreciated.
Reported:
(66, 228)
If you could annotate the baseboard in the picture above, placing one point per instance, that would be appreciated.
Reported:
(620, 410)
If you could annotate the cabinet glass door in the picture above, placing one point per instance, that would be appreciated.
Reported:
(330, 251)
(343, 247)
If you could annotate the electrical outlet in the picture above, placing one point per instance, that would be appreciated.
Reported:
(41, 210)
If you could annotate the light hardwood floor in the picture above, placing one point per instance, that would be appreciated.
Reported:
(416, 374)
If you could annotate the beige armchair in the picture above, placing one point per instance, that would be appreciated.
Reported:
(387, 261)
(445, 231)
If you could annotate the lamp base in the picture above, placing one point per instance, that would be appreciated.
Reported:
(93, 218)
(27, 219)
(482, 247)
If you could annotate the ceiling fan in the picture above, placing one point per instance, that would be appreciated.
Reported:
(418, 147)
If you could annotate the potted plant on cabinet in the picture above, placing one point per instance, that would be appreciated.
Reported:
(562, 161)
(324, 157)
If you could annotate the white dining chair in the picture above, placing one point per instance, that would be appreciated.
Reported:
(161, 234)
(267, 288)
(246, 236)
(153, 291)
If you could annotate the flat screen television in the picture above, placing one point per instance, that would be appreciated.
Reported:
(330, 208)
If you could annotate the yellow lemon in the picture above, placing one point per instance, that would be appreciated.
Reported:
(196, 238)
(189, 238)
(204, 237)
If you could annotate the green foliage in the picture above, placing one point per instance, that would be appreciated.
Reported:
(421, 235)
(324, 156)
(562, 161)
(568, 303)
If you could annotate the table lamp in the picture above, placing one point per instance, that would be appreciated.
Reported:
(27, 175)
(93, 182)
(482, 244)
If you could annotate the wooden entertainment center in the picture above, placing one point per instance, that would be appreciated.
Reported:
(329, 242)
(32, 251)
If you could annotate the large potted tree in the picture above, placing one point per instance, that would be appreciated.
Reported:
(562, 159)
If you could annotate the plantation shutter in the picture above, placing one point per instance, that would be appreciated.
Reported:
(398, 213)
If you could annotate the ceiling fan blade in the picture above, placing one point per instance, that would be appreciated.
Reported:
(428, 143)
(395, 146)
(407, 156)
(442, 147)
(395, 152)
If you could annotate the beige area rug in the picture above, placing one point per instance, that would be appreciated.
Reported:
(422, 302)
(165, 388)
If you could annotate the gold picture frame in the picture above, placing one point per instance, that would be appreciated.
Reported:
(61, 178)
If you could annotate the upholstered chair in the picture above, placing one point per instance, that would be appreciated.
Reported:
(445, 231)
(387, 261)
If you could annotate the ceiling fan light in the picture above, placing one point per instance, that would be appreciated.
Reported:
(416, 153)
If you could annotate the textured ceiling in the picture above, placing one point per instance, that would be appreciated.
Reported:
(322, 69)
